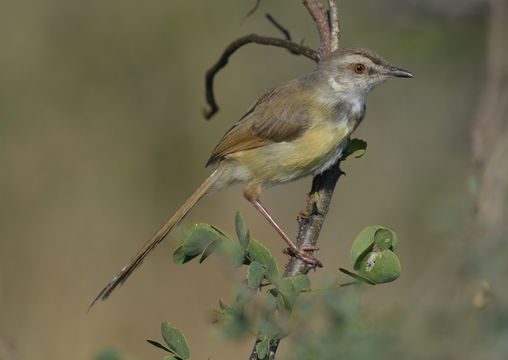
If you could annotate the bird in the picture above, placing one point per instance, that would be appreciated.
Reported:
(294, 130)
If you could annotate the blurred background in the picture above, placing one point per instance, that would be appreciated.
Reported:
(102, 137)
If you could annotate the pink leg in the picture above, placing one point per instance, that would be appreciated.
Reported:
(299, 253)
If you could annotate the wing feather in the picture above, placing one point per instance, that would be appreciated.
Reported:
(275, 117)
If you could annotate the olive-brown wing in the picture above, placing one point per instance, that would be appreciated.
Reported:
(277, 116)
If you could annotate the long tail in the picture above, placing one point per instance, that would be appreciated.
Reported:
(159, 236)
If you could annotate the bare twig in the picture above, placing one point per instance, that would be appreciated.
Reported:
(292, 47)
(317, 12)
(254, 9)
(334, 25)
(279, 27)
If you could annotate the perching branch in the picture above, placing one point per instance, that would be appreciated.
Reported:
(292, 47)
(309, 227)
(323, 185)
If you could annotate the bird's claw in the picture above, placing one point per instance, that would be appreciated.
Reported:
(301, 254)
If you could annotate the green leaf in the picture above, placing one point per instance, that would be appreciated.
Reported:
(301, 283)
(357, 277)
(226, 308)
(262, 348)
(362, 244)
(380, 236)
(175, 340)
(356, 148)
(198, 238)
(270, 329)
(271, 299)
(234, 321)
(247, 240)
(380, 266)
(386, 239)
(107, 354)
(159, 345)
(210, 249)
(221, 232)
(287, 290)
(276, 299)
(233, 252)
(244, 294)
(240, 231)
(171, 358)
(382, 239)
(179, 256)
(255, 274)
(281, 304)
(258, 252)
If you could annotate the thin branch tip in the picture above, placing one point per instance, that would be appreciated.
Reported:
(278, 26)
(293, 48)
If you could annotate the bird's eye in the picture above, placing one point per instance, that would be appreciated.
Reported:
(359, 68)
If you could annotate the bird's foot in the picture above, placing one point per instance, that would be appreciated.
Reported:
(301, 254)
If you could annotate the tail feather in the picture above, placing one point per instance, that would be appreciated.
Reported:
(159, 236)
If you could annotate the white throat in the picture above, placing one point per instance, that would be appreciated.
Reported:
(346, 92)
(334, 84)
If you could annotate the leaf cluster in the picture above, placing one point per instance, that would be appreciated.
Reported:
(264, 300)
(175, 343)
(372, 255)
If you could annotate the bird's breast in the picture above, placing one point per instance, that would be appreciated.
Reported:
(286, 161)
(312, 152)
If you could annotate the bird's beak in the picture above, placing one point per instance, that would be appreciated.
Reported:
(398, 72)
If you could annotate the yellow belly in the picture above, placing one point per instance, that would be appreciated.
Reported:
(286, 161)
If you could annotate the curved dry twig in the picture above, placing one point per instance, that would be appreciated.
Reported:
(254, 9)
(278, 26)
(292, 47)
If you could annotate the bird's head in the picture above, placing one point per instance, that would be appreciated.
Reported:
(354, 71)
